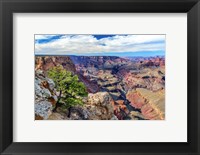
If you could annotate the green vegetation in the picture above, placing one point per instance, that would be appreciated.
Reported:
(71, 91)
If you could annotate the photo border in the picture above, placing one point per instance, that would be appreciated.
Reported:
(8, 7)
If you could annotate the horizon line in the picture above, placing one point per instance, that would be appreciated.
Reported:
(100, 55)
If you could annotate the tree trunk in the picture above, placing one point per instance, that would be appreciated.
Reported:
(57, 103)
(69, 112)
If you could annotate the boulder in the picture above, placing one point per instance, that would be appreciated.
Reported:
(100, 106)
(43, 109)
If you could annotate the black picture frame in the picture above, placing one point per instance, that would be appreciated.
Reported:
(8, 7)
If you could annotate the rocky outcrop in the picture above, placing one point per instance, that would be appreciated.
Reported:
(45, 95)
(97, 107)
(100, 106)
(151, 104)
(46, 62)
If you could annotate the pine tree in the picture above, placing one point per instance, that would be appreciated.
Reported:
(71, 90)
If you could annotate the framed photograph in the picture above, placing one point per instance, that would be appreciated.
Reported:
(99, 77)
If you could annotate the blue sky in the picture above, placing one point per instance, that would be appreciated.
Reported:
(113, 45)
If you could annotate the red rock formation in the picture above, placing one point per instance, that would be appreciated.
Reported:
(136, 100)
(46, 62)
(152, 104)
(120, 109)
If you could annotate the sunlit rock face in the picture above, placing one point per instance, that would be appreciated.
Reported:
(150, 78)
(100, 106)
(46, 62)
(151, 104)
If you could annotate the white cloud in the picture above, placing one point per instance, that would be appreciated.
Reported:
(38, 36)
(80, 44)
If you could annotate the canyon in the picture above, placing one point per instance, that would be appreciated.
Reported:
(119, 88)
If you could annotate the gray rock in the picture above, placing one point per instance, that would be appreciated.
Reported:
(43, 109)
(46, 93)
(44, 89)
(38, 90)
(51, 84)
(39, 73)
(78, 113)
(55, 97)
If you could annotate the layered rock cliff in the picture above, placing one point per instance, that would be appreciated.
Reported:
(46, 62)
(151, 104)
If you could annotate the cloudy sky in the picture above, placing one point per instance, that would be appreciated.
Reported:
(118, 45)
